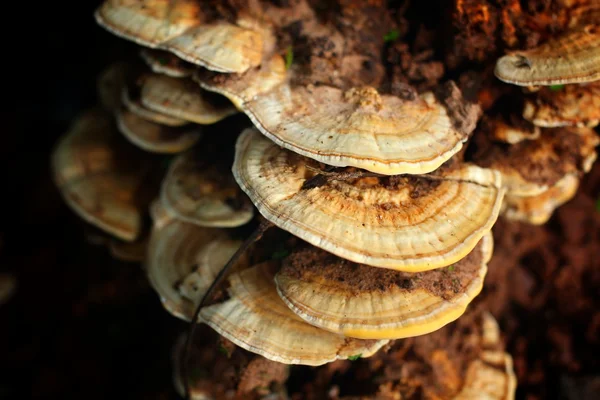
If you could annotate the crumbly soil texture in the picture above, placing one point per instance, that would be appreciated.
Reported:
(81, 324)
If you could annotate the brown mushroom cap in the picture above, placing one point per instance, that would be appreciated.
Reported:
(572, 105)
(183, 99)
(162, 62)
(571, 58)
(509, 132)
(256, 319)
(406, 223)
(100, 176)
(538, 209)
(183, 259)
(531, 167)
(156, 138)
(371, 303)
(183, 27)
(204, 193)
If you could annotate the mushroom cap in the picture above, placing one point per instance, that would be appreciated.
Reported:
(156, 138)
(180, 26)
(99, 177)
(240, 89)
(109, 86)
(572, 105)
(509, 133)
(183, 99)
(133, 104)
(204, 194)
(410, 223)
(128, 251)
(531, 167)
(538, 209)
(162, 62)
(220, 46)
(358, 127)
(571, 58)
(371, 303)
(256, 319)
(182, 261)
(491, 376)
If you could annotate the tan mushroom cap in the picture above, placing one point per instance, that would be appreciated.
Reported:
(572, 105)
(182, 261)
(100, 178)
(180, 26)
(162, 62)
(256, 319)
(240, 89)
(358, 127)
(512, 134)
(531, 167)
(491, 376)
(571, 58)
(135, 106)
(372, 303)
(409, 224)
(156, 138)
(204, 194)
(183, 99)
(538, 209)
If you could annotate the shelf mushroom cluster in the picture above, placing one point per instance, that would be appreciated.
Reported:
(395, 225)
(545, 161)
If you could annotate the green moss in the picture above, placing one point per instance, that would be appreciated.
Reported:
(391, 36)
(224, 351)
(289, 57)
(556, 88)
(354, 358)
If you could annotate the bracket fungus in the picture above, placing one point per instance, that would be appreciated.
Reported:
(201, 192)
(189, 29)
(571, 58)
(531, 167)
(154, 137)
(240, 89)
(162, 62)
(100, 176)
(183, 259)
(371, 303)
(572, 105)
(407, 223)
(358, 127)
(131, 101)
(183, 99)
(538, 209)
(256, 319)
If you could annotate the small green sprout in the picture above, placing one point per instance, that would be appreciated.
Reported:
(289, 57)
(391, 36)
(451, 268)
(556, 88)
(598, 204)
(354, 358)
(224, 351)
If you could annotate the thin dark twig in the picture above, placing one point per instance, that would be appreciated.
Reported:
(254, 236)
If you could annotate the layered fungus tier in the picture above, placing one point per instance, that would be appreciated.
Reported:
(318, 181)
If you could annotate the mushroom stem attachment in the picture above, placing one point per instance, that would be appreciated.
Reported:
(254, 236)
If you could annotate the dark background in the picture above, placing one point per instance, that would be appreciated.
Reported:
(81, 324)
